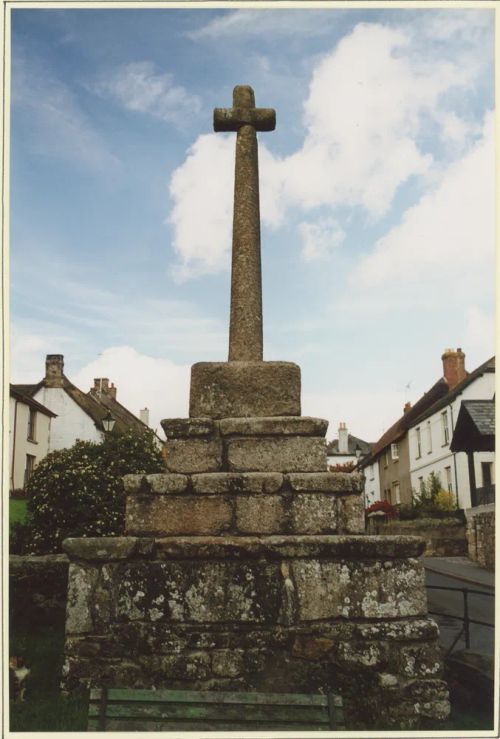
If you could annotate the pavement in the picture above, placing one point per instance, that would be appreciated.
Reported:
(463, 569)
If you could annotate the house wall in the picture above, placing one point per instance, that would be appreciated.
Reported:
(72, 422)
(372, 483)
(396, 470)
(436, 456)
(20, 445)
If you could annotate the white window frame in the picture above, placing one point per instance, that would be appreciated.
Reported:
(429, 437)
(445, 428)
(419, 442)
(396, 491)
(395, 452)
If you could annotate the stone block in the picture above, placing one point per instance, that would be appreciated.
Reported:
(168, 515)
(106, 548)
(277, 426)
(235, 389)
(326, 482)
(193, 455)
(291, 453)
(162, 483)
(186, 428)
(313, 513)
(227, 662)
(81, 583)
(351, 514)
(231, 482)
(359, 589)
(259, 514)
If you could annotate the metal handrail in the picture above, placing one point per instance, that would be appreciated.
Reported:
(465, 618)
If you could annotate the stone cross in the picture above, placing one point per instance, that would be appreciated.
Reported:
(245, 327)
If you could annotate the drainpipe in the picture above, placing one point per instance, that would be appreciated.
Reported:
(454, 455)
(13, 447)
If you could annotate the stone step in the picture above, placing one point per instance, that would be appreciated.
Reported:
(186, 428)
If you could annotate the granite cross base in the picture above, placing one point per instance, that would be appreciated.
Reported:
(265, 613)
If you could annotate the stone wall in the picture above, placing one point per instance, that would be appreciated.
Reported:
(38, 588)
(443, 537)
(481, 535)
(276, 613)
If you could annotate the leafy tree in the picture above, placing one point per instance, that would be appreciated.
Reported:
(79, 491)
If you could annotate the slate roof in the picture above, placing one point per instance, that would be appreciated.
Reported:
(475, 427)
(25, 398)
(332, 449)
(433, 400)
(95, 405)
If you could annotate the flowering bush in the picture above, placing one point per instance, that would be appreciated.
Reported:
(344, 467)
(444, 501)
(79, 491)
(383, 506)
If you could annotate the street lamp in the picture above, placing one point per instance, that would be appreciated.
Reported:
(108, 422)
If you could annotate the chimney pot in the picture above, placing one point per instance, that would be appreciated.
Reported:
(407, 407)
(453, 367)
(54, 366)
(343, 438)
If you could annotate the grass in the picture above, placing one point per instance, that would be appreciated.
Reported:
(44, 707)
(17, 510)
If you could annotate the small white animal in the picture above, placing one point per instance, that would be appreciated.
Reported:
(18, 673)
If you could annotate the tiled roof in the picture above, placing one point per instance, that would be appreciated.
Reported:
(95, 405)
(332, 448)
(488, 366)
(475, 427)
(433, 400)
(25, 398)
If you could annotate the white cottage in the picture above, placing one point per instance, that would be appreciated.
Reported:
(29, 436)
(430, 433)
(78, 416)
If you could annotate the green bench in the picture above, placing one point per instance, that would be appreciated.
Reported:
(114, 709)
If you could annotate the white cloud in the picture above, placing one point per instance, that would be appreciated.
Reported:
(139, 87)
(59, 126)
(479, 335)
(320, 238)
(142, 382)
(446, 239)
(369, 101)
(258, 23)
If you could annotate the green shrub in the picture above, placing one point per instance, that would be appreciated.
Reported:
(79, 491)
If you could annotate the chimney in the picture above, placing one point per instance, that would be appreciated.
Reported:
(407, 406)
(54, 365)
(144, 416)
(343, 439)
(101, 385)
(453, 366)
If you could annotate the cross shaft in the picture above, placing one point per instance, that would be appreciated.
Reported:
(245, 327)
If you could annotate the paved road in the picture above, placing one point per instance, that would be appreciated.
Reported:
(481, 607)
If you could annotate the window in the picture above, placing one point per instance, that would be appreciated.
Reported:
(387, 495)
(386, 458)
(30, 466)
(396, 497)
(449, 485)
(394, 451)
(444, 426)
(486, 473)
(429, 437)
(419, 443)
(31, 424)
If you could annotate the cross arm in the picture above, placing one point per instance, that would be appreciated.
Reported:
(231, 119)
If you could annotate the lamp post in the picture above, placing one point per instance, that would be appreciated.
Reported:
(108, 422)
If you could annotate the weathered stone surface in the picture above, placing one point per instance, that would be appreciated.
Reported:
(351, 514)
(183, 428)
(162, 483)
(227, 662)
(210, 592)
(267, 455)
(193, 455)
(278, 547)
(313, 513)
(359, 590)
(167, 515)
(273, 426)
(106, 548)
(257, 514)
(232, 482)
(235, 389)
(81, 583)
(326, 482)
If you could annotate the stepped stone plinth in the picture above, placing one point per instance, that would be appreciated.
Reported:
(245, 565)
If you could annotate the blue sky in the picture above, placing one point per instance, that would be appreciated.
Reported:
(377, 198)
